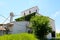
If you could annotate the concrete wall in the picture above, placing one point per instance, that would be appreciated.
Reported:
(1, 32)
(20, 27)
(52, 24)
(49, 36)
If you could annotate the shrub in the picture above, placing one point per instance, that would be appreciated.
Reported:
(23, 36)
(26, 36)
(26, 17)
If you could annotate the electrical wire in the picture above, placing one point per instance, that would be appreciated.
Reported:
(5, 20)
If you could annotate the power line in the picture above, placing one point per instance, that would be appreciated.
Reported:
(6, 19)
(2, 16)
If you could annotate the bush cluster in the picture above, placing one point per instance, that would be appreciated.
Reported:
(26, 17)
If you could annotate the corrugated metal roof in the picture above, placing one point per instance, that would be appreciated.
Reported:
(2, 28)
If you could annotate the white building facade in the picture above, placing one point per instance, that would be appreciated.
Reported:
(21, 27)
(52, 22)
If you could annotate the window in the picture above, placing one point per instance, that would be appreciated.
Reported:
(53, 34)
(29, 11)
(36, 10)
(24, 14)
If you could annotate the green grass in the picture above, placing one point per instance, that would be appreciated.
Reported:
(23, 36)
(57, 35)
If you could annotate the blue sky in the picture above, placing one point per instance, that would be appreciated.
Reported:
(49, 8)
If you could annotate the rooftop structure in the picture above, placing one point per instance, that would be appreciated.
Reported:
(30, 10)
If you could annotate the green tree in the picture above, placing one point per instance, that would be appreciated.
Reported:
(41, 26)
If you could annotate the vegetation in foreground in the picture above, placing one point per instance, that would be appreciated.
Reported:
(22, 36)
(57, 35)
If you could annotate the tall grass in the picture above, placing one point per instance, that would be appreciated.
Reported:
(23, 36)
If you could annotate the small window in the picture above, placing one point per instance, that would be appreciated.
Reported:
(29, 11)
(36, 10)
(53, 34)
(24, 14)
